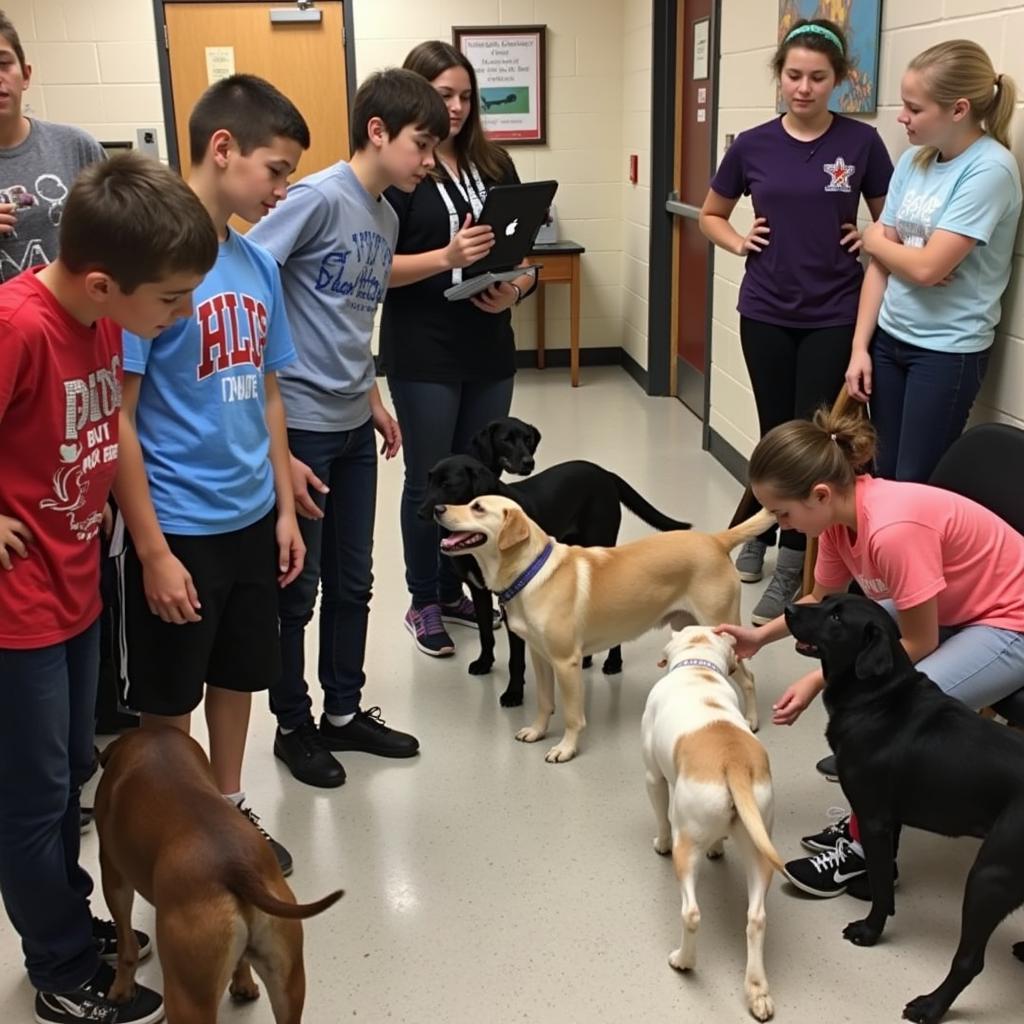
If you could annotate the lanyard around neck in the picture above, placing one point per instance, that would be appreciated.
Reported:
(472, 189)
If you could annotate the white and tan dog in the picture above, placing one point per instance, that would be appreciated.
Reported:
(567, 601)
(708, 779)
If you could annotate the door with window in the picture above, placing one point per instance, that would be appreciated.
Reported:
(695, 68)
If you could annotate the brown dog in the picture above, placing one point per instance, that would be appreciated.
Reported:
(580, 600)
(221, 900)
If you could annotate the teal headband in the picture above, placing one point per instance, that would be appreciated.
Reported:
(816, 30)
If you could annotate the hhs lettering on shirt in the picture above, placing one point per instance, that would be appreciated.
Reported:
(230, 337)
(875, 588)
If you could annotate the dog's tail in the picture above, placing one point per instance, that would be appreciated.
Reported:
(641, 507)
(247, 885)
(740, 783)
(747, 530)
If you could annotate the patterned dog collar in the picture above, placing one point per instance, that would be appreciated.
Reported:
(698, 663)
(531, 570)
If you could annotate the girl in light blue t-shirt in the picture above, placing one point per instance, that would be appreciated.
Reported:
(941, 258)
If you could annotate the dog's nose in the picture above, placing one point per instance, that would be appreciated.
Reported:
(439, 510)
(527, 465)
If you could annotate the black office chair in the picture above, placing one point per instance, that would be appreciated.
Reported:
(986, 464)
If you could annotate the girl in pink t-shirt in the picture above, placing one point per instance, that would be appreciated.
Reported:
(949, 571)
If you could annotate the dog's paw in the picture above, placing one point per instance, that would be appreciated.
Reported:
(761, 1006)
(679, 962)
(560, 753)
(717, 851)
(1018, 950)
(612, 666)
(860, 933)
(754, 723)
(588, 660)
(511, 698)
(663, 844)
(924, 1009)
(530, 734)
(244, 992)
(481, 666)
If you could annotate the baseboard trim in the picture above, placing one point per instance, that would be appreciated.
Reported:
(724, 452)
(636, 371)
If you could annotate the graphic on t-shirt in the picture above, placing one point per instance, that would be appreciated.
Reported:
(232, 333)
(363, 290)
(90, 405)
(840, 172)
(49, 191)
(914, 217)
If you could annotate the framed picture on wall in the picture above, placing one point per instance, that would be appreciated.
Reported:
(860, 21)
(509, 62)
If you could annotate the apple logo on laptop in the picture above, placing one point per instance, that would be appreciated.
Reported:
(511, 227)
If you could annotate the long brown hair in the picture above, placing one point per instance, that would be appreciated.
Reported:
(830, 449)
(433, 58)
(961, 69)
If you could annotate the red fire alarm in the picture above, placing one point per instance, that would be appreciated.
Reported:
(634, 173)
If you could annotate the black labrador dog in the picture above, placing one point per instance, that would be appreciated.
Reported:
(575, 502)
(506, 445)
(909, 755)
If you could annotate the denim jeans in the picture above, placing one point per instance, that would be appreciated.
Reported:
(339, 557)
(920, 401)
(47, 731)
(978, 665)
(437, 420)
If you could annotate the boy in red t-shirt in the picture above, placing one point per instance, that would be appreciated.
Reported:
(134, 243)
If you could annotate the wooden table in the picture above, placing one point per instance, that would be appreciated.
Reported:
(560, 265)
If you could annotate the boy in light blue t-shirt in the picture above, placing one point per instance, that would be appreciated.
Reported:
(334, 240)
(204, 484)
(940, 259)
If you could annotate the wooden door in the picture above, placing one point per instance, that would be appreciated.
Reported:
(695, 102)
(304, 59)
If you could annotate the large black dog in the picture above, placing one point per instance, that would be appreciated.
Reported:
(575, 502)
(909, 755)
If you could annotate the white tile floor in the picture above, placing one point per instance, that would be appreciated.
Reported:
(487, 886)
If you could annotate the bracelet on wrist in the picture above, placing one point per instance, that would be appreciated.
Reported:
(519, 293)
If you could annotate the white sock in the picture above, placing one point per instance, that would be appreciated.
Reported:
(236, 798)
(857, 848)
(339, 720)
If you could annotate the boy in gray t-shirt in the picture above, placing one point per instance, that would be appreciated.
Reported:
(334, 239)
(39, 162)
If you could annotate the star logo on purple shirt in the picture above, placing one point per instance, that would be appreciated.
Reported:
(840, 173)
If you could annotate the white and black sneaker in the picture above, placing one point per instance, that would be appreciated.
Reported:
(827, 838)
(828, 874)
(104, 937)
(90, 1003)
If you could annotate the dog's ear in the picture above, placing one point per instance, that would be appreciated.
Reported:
(534, 441)
(875, 658)
(514, 530)
(481, 445)
(663, 662)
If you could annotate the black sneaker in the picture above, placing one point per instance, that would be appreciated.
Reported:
(860, 887)
(90, 1003)
(307, 758)
(86, 817)
(828, 874)
(104, 937)
(284, 858)
(368, 733)
(827, 767)
(463, 613)
(428, 632)
(827, 838)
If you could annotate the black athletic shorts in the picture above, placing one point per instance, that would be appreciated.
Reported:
(235, 645)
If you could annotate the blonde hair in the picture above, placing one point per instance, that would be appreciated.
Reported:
(832, 448)
(961, 69)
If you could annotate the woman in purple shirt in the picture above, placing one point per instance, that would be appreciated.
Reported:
(805, 173)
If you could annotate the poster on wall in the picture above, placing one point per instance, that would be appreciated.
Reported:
(860, 21)
(509, 65)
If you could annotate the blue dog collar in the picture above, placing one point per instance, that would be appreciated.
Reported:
(698, 663)
(531, 570)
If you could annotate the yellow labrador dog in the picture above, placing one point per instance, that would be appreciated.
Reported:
(708, 779)
(567, 602)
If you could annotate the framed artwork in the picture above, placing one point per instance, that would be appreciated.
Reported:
(860, 21)
(509, 62)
